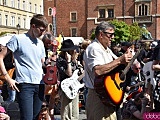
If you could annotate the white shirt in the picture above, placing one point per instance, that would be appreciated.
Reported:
(95, 54)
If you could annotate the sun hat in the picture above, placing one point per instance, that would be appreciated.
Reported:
(68, 45)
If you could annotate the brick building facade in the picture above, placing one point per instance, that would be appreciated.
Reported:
(79, 18)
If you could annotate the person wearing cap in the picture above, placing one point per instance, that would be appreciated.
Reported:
(100, 60)
(66, 64)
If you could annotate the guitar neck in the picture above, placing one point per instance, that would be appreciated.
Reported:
(81, 76)
(136, 85)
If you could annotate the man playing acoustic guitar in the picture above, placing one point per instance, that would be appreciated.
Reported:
(100, 60)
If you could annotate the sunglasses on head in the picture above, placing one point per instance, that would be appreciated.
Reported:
(109, 34)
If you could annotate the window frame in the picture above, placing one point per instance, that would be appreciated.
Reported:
(49, 11)
(71, 31)
(13, 3)
(6, 20)
(71, 16)
(106, 12)
(13, 20)
(30, 7)
(18, 4)
(143, 8)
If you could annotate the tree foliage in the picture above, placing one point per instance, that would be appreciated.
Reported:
(2, 33)
(122, 32)
(135, 32)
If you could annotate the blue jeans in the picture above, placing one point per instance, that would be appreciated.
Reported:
(30, 100)
(11, 95)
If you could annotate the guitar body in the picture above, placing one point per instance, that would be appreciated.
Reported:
(115, 93)
(109, 88)
(132, 95)
(50, 77)
(70, 86)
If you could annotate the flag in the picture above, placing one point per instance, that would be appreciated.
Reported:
(59, 39)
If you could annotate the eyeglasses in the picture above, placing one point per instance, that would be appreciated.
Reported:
(109, 34)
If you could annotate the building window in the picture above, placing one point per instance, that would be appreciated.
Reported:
(24, 5)
(24, 21)
(30, 7)
(102, 13)
(143, 10)
(6, 20)
(0, 19)
(35, 8)
(13, 21)
(12, 3)
(5, 2)
(50, 27)
(49, 11)
(110, 13)
(18, 4)
(73, 32)
(106, 11)
(73, 16)
(40, 9)
(19, 21)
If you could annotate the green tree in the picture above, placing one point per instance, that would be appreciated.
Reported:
(2, 33)
(135, 32)
(92, 35)
(122, 31)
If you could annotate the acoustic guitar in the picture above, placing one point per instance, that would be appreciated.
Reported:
(50, 78)
(113, 83)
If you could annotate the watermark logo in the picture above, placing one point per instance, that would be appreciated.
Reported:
(151, 116)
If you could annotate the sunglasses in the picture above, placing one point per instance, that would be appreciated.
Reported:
(44, 106)
(41, 29)
(109, 34)
(138, 68)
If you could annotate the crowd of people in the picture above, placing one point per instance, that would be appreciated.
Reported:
(40, 70)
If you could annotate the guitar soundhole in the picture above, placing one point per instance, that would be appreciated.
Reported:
(51, 71)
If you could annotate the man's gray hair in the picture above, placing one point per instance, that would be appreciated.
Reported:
(48, 36)
(103, 26)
